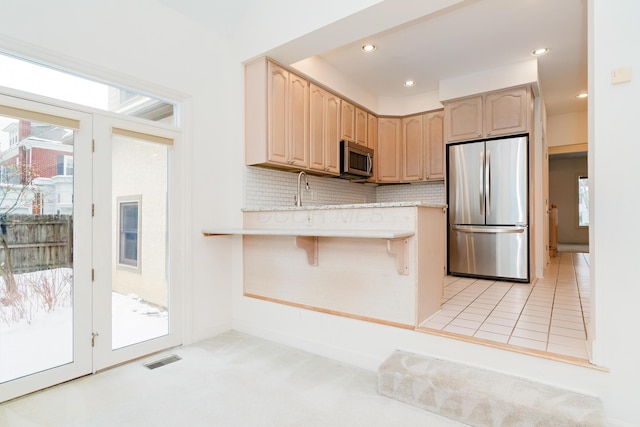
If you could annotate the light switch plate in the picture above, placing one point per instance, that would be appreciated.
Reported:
(621, 75)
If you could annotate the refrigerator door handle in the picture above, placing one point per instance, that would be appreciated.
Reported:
(488, 230)
(487, 183)
(481, 188)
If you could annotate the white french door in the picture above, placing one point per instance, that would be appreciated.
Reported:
(135, 294)
(45, 246)
(88, 272)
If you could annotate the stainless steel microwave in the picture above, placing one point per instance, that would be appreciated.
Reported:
(356, 161)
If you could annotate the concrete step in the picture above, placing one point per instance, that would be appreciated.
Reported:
(483, 398)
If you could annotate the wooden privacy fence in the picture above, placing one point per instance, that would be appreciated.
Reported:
(36, 242)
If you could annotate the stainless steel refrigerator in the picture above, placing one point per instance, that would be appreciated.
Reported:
(487, 194)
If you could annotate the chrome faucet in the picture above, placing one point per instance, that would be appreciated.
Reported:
(298, 197)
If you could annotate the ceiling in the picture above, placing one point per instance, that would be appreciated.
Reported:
(472, 36)
(476, 36)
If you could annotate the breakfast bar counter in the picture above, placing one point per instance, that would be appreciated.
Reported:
(378, 262)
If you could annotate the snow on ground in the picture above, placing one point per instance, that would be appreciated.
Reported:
(47, 341)
(134, 321)
(43, 344)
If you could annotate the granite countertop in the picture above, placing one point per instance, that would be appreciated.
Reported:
(347, 206)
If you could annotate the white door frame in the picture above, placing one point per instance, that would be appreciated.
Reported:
(104, 356)
(92, 300)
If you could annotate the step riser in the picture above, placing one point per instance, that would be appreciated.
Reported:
(482, 398)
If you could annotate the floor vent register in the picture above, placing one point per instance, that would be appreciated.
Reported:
(162, 362)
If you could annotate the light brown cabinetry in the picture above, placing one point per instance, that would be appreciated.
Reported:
(506, 112)
(324, 130)
(372, 131)
(362, 127)
(503, 112)
(348, 121)
(276, 116)
(412, 148)
(389, 150)
(464, 119)
(423, 147)
(372, 137)
(434, 143)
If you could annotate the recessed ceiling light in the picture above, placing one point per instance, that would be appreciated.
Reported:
(409, 83)
(368, 48)
(540, 51)
(582, 95)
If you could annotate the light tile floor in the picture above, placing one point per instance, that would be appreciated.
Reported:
(549, 315)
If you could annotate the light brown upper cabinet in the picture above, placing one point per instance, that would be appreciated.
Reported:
(423, 147)
(324, 131)
(372, 131)
(348, 121)
(506, 112)
(362, 127)
(503, 112)
(276, 116)
(389, 151)
(434, 138)
(413, 148)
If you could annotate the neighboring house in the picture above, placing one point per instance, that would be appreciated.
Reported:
(40, 156)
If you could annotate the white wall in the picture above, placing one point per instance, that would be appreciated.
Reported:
(149, 47)
(522, 73)
(567, 129)
(613, 158)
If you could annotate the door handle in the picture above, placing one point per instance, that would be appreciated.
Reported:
(488, 230)
(487, 183)
(481, 189)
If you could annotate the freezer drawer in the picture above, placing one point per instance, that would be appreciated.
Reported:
(492, 252)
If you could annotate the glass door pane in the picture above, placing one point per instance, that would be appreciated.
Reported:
(139, 298)
(45, 288)
(36, 248)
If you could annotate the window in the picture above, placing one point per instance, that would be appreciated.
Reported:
(583, 201)
(29, 77)
(68, 165)
(129, 232)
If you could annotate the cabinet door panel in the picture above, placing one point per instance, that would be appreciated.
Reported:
(372, 136)
(464, 119)
(389, 149)
(506, 112)
(372, 131)
(412, 149)
(317, 102)
(278, 96)
(332, 135)
(299, 121)
(347, 117)
(434, 135)
(361, 127)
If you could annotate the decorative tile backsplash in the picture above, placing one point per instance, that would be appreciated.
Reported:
(432, 192)
(268, 187)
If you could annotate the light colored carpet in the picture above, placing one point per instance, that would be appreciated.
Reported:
(229, 380)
